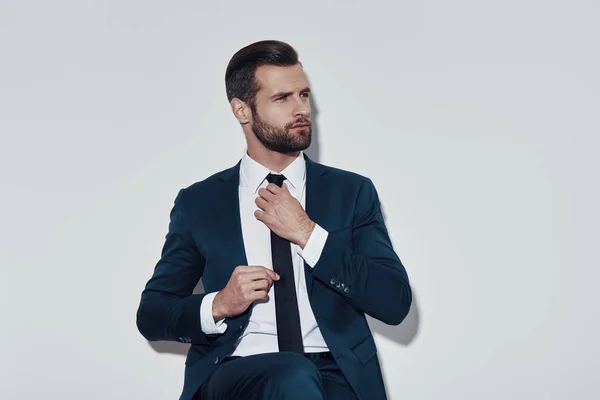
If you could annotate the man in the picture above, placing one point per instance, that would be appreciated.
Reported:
(292, 254)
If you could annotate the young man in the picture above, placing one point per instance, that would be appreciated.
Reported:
(292, 253)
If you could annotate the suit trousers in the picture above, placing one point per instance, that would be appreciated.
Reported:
(282, 375)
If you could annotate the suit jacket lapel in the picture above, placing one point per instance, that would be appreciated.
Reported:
(316, 191)
(227, 217)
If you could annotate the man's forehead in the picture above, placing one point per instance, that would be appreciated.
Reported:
(273, 78)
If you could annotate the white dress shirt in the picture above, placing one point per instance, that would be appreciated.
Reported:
(260, 336)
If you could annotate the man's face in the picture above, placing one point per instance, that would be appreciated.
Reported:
(281, 116)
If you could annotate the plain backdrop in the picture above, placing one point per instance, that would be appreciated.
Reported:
(476, 120)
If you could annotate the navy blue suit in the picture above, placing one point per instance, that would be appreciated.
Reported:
(358, 273)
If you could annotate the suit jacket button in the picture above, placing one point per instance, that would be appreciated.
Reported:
(346, 290)
(217, 360)
(332, 281)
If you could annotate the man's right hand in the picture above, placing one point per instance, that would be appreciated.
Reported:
(247, 284)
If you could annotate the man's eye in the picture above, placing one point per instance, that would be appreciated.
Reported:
(306, 94)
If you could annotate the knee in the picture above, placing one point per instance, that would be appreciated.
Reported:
(296, 375)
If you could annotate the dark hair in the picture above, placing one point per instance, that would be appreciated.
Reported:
(240, 79)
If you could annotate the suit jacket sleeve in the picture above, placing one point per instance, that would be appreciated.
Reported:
(168, 310)
(360, 263)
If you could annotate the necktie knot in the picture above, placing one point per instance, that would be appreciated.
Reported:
(276, 179)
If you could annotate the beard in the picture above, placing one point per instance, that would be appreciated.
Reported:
(282, 139)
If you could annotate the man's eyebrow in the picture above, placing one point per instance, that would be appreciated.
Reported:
(282, 95)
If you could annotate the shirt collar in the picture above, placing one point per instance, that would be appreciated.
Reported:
(253, 174)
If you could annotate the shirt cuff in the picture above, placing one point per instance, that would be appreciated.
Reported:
(314, 246)
(207, 322)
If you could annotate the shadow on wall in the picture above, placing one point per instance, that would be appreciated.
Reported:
(402, 334)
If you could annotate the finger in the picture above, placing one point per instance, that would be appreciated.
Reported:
(273, 188)
(264, 217)
(260, 215)
(262, 203)
(244, 269)
(259, 295)
(254, 267)
(266, 194)
(259, 272)
(274, 275)
(245, 272)
(260, 284)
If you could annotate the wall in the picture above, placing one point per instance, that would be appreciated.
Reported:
(477, 122)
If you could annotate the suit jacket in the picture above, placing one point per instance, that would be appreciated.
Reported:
(358, 273)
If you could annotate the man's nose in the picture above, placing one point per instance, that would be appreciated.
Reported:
(302, 107)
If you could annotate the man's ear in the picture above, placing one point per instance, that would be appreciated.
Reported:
(240, 110)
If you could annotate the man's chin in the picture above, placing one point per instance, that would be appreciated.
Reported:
(303, 145)
(294, 149)
(297, 140)
(304, 137)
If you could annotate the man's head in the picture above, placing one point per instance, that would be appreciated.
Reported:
(269, 95)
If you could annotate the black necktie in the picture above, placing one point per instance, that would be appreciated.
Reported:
(289, 333)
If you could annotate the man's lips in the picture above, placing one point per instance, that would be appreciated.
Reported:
(300, 125)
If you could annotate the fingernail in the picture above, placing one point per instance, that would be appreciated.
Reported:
(277, 275)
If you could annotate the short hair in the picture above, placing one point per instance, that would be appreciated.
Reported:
(240, 81)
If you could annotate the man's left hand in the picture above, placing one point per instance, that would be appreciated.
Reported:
(283, 214)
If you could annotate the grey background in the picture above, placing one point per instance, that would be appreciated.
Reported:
(477, 121)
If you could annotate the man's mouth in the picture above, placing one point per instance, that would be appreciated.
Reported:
(300, 126)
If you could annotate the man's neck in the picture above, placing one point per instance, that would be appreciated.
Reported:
(272, 160)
